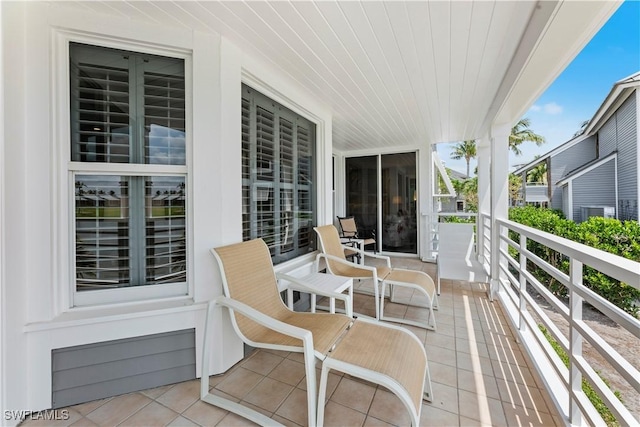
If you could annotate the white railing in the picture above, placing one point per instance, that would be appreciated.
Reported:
(565, 384)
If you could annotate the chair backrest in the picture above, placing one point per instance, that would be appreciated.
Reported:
(348, 226)
(330, 245)
(456, 240)
(248, 277)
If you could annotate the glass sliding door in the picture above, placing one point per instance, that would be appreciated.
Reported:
(362, 193)
(396, 230)
(399, 195)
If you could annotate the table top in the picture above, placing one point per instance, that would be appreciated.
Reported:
(327, 282)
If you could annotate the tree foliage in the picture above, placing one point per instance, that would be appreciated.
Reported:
(522, 133)
(465, 150)
(607, 234)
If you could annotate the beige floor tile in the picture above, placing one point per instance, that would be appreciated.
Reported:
(420, 333)
(118, 409)
(85, 408)
(432, 416)
(298, 357)
(286, 422)
(387, 407)
(443, 374)
(516, 394)
(441, 355)
(154, 393)
(468, 422)
(269, 394)
(336, 415)
(181, 396)
(84, 422)
(294, 407)
(239, 382)
(288, 371)
(520, 416)
(482, 408)
(214, 380)
(204, 414)
(182, 422)
(515, 373)
(444, 317)
(153, 414)
(262, 362)
(233, 420)
(354, 395)
(395, 309)
(440, 340)
(478, 383)
(374, 422)
(474, 363)
(444, 397)
(471, 347)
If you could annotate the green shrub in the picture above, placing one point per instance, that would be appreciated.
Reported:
(607, 234)
(596, 401)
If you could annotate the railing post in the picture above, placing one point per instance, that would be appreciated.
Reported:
(523, 282)
(575, 345)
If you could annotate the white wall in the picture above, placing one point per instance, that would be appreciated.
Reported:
(35, 318)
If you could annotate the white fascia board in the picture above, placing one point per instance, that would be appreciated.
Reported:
(612, 102)
(445, 176)
(589, 169)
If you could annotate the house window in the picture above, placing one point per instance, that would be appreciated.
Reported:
(128, 167)
(278, 193)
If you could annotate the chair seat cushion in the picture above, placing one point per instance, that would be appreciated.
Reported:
(325, 328)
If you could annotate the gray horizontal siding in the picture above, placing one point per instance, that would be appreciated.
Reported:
(627, 137)
(96, 371)
(594, 188)
(568, 160)
(607, 137)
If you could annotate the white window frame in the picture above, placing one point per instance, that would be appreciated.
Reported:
(65, 293)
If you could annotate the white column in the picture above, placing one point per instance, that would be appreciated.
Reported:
(483, 148)
(499, 196)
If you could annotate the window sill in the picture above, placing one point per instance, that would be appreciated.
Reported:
(93, 315)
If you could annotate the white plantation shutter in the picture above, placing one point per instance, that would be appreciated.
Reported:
(277, 168)
(130, 230)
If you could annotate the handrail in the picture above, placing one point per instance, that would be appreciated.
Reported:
(514, 276)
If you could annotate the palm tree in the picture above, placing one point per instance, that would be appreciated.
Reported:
(538, 174)
(464, 150)
(521, 133)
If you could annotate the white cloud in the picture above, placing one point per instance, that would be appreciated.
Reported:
(535, 108)
(552, 108)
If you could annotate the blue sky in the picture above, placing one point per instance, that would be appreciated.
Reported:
(612, 54)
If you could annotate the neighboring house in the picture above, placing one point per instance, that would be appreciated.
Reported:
(457, 203)
(596, 172)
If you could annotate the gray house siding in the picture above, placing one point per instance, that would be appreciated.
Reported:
(607, 137)
(594, 188)
(627, 144)
(568, 160)
(95, 371)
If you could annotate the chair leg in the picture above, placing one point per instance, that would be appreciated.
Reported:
(322, 395)
(310, 372)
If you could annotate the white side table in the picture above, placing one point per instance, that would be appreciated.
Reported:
(359, 244)
(323, 282)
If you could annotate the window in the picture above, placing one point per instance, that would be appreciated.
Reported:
(128, 165)
(278, 194)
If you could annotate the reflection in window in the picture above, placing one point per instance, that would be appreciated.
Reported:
(123, 239)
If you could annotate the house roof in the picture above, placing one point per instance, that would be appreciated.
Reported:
(399, 73)
(618, 94)
(576, 173)
(456, 175)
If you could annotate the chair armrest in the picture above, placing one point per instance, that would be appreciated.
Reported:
(263, 319)
(345, 262)
(369, 254)
(300, 285)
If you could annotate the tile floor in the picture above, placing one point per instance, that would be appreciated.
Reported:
(480, 376)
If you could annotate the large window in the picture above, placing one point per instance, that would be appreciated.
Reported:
(128, 166)
(278, 195)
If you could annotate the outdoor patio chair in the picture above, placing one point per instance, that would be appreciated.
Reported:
(384, 354)
(382, 276)
(349, 231)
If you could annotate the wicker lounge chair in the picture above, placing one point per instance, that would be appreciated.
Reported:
(261, 319)
(383, 276)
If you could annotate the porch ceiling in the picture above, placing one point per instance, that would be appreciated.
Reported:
(398, 73)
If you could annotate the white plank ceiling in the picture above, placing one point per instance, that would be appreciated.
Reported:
(394, 73)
